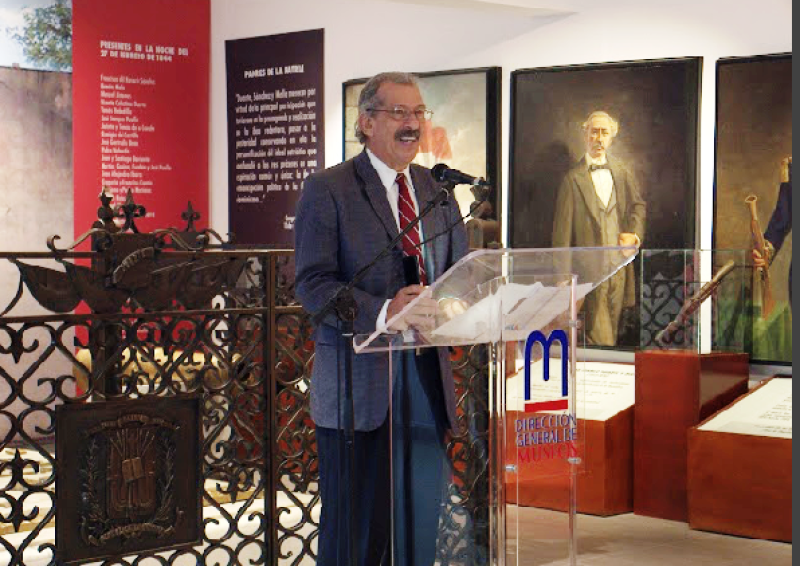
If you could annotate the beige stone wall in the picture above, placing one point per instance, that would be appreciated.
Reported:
(35, 203)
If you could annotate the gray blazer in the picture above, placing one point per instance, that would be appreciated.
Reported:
(576, 222)
(343, 222)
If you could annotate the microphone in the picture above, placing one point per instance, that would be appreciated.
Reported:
(442, 173)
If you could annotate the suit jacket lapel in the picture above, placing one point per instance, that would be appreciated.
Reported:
(376, 193)
(586, 186)
(621, 196)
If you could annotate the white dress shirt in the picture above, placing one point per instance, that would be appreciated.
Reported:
(388, 177)
(602, 179)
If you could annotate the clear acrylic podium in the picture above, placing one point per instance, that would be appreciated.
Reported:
(523, 306)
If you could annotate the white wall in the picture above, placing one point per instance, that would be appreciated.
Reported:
(363, 37)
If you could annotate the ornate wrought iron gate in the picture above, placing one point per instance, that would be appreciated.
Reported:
(144, 320)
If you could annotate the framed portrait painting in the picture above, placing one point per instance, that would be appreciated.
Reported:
(606, 154)
(464, 133)
(753, 181)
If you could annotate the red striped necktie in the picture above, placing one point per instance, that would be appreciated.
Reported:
(411, 240)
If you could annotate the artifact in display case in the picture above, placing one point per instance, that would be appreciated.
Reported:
(686, 291)
(753, 437)
(690, 364)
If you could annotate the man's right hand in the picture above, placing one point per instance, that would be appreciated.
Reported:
(421, 316)
(759, 261)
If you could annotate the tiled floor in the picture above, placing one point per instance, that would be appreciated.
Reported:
(631, 540)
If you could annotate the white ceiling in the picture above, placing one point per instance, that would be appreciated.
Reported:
(522, 8)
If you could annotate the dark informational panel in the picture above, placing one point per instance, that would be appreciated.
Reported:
(275, 131)
(140, 107)
(753, 161)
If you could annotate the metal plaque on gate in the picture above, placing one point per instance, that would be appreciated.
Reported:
(128, 477)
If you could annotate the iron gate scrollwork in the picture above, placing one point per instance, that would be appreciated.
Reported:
(170, 315)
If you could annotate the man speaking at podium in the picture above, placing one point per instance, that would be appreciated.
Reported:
(346, 216)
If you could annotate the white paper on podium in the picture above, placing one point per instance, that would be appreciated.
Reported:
(523, 307)
(765, 412)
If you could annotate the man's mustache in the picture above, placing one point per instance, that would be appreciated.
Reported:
(408, 133)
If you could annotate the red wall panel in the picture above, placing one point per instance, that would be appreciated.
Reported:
(141, 106)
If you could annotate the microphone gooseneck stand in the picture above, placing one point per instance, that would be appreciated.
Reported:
(345, 308)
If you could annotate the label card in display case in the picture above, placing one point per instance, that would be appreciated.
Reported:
(765, 412)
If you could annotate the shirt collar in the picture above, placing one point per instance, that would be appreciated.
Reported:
(386, 174)
(590, 161)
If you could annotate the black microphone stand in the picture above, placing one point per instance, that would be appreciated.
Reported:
(344, 306)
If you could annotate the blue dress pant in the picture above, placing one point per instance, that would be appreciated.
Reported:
(417, 471)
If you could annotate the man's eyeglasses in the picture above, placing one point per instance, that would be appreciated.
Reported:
(401, 113)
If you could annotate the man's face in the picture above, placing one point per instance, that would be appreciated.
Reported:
(598, 137)
(395, 142)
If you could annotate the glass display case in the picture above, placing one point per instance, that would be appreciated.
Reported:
(693, 300)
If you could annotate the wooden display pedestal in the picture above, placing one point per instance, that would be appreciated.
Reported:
(740, 484)
(605, 484)
(676, 390)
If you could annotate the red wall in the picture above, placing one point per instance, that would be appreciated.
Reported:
(141, 106)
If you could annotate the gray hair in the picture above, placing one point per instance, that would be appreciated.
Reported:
(369, 99)
(601, 114)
